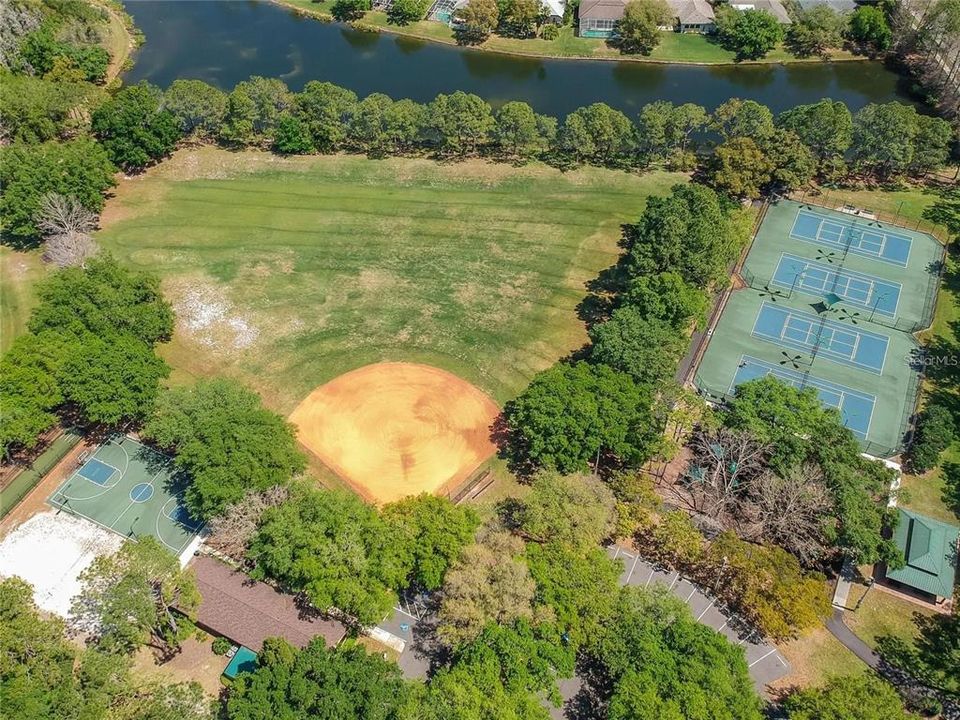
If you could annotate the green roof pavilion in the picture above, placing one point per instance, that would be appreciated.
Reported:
(930, 549)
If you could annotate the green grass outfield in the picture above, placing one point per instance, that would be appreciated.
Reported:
(289, 272)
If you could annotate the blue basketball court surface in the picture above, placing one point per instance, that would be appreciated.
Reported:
(856, 408)
(853, 236)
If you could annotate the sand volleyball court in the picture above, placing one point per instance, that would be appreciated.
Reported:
(398, 429)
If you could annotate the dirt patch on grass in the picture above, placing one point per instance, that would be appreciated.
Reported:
(208, 318)
(397, 429)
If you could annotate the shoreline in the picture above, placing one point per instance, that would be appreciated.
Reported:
(363, 25)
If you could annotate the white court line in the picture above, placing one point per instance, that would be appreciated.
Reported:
(134, 502)
(761, 658)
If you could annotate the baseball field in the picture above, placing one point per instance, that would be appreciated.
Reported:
(288, 273)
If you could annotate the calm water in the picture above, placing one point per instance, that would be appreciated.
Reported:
(225, 42)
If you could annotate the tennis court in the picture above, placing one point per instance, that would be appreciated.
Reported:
(808, 333)
(856, 408)
(816, 279)
(856, 236)
(131, 489)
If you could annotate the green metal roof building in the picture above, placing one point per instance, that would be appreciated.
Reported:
(930, 549)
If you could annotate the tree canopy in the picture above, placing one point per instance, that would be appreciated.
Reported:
(855, 697)
(572, 510)
(134, 126)
(344, 683)
(225, 441)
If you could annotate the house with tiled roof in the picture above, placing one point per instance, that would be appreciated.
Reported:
(930, 550)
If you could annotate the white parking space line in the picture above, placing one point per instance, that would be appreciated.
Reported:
(771, 652)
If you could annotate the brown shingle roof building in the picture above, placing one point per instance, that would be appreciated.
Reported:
(246, 611)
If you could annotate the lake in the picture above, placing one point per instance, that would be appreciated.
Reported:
(225, 42)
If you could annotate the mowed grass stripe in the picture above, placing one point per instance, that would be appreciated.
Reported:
(337, 262)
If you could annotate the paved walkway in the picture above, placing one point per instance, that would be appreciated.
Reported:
(838, 628)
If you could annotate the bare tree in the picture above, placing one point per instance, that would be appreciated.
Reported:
(66, 225)
(792, 511)
(232, 530)
(723, 465)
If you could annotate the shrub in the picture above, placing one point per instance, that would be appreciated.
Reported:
(221, 646)
(935, 431)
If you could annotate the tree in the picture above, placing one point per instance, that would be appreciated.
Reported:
(126, 598)
(404, 120)
(575, 511)
(519, 18)
(768, 586)
(646, 349)
(291, 137)
(332, 547)
(427, 533)
(793, 164)
(77, 168)
(225, 441)
(404, 12)
(740, 168)
(826, 127)
(579, 585)
(197, 106)
(853, 697)
(475, 21)
(254, 108)
(34, 110)
(738, 118)
(232, 531)
(103, 299)
(184, 701)
(349, 10)
(664, 130)
(134, 127)
(638, 31)
(931, 144)
(326, 109)
(66, 226)
(597, 133)
(816, 30)
(460, 122)
(686, 232)
(661, 663)
(111, 379)
(869, 28)
(520, 132)
(883, 138)
(30, 389)
(751, 34)
(667, 298)
(570, 415)
(317, 682)
(489, 583)
(936, 429)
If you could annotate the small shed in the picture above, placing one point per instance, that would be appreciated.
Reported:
(930, 549)
(247, 611)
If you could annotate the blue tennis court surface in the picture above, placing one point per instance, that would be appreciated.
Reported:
(96, 471)
(856, 408)
(869, 292)
(872, 242)
(805, 332)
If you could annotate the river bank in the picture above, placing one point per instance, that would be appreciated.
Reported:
(674, 48)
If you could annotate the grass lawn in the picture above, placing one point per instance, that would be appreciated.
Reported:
(289, 272)
(18, 273)
(673, 47)
(882, 614)
(815, 657)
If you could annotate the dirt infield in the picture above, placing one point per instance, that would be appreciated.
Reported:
(398, 429)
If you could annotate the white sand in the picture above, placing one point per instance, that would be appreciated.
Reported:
(50, 551)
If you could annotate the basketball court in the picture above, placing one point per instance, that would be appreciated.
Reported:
(129, 489)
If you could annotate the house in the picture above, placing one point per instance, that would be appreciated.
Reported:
(930, 550)
(692, 16)
(599, 17)
(774, 7)
(554, 10)
(247, 612)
